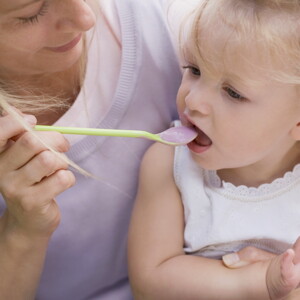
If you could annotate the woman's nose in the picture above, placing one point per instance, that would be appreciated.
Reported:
(74, 15)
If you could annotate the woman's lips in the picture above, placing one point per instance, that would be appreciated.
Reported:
(67, 46)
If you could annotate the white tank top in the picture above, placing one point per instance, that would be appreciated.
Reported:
(222, 218)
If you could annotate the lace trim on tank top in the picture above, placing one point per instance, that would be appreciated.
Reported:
(265, 191)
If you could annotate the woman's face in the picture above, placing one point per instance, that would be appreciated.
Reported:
(41, 36)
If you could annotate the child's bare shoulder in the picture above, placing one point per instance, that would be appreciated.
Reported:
(159, 159)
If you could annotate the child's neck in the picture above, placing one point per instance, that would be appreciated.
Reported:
(261, 173)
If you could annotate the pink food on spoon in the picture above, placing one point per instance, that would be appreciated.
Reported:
(180, 135)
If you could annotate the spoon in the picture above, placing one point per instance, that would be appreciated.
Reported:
(174, 136)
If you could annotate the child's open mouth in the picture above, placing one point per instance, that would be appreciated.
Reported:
(202, 139)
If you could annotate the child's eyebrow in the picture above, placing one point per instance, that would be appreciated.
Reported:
(19, 7)
(235, 78)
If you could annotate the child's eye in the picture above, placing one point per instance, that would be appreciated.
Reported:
(35, 18)
(194, 70)
(233, 94)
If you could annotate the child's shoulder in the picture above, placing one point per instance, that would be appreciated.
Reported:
(159, 152)
(159, 158)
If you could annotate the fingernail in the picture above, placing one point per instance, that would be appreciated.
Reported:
(231, 259)
(30, 119)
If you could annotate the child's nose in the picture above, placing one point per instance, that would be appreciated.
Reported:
(198, 101)
(74, 15)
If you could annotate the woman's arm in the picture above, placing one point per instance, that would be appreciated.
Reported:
(30, 178)
(158, 267)
(21, 263)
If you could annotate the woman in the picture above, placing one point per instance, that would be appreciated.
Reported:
(130, 80)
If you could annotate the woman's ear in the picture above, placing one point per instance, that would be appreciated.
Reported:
(295, 132)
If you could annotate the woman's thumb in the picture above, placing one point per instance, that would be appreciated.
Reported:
(246, 256)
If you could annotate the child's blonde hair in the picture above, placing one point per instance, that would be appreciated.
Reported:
(225, 31)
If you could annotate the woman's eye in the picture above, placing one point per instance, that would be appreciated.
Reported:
(35, 18)
(233, 94)
(194, 70)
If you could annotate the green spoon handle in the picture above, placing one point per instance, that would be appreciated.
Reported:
(97, 131)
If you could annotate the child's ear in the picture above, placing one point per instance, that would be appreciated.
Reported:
(295, 132)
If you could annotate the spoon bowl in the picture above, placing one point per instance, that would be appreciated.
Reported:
(174, 136)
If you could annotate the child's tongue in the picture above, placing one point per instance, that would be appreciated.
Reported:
(202, 139)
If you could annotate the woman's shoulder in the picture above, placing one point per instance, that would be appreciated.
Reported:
(110, 12)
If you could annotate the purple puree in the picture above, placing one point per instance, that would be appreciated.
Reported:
(179, 135)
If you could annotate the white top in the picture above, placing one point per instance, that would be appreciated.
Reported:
(222, 218)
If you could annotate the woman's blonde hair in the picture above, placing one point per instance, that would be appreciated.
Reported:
(224, 31)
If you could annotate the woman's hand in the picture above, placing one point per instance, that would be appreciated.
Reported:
(246, 256)
(283, 275)
(30, 177)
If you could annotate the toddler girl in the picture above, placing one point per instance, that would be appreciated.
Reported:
(238, 183)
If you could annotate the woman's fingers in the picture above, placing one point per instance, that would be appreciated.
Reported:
(11, 128)
(56, 183)
(32, 175)
(249, 255)
(294, 295)
(26, 164)
(246, 256)
(33, 209)
(42, 165)
(40, 195)
(27, 146)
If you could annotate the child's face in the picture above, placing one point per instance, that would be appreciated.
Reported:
(38, 36)
(248, 119)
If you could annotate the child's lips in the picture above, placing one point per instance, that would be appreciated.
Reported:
(202, 139)
(201, 143)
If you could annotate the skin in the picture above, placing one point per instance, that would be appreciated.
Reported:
(235, 124)
(57, 23)
(235, 108)
(158, 266)
(31, 176)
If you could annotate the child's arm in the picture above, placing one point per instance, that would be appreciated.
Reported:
(158, 267)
